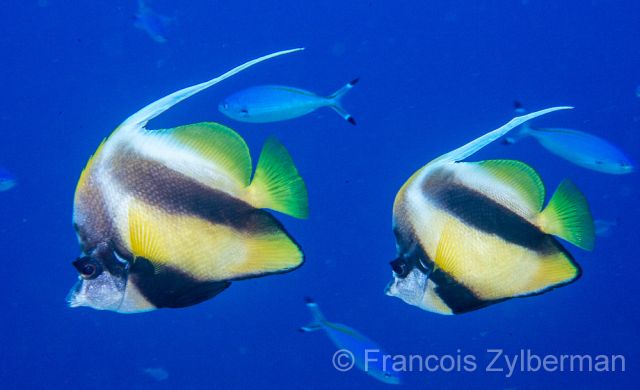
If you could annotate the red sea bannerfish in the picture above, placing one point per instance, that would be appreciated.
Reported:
(169, 218)
(471, 234)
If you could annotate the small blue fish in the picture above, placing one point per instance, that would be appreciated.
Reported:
(154, 24)
(582, 149)
(272, 103)
(356, 348)
(7, 180)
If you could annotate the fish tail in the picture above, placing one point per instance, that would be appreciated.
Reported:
(524, 130)
(318, 317)
(276, 183)
(343, 113)
(568, 216)
(336, 103)
(339, 94)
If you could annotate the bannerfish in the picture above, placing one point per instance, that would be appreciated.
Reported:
(169, 218)
(154, 24)
(7, 180)
(355, 347)
(272, 103)
(580, 148)
(471, 234)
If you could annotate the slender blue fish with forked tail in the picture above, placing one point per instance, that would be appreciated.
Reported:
(580, 148)
(273, 103)
(355, 348)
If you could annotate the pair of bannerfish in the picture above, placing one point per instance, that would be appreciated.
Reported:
(169, 218)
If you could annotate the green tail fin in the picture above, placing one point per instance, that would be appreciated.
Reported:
(276, 184)
(567, 216)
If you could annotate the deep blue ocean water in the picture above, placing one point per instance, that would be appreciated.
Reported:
(434, 75)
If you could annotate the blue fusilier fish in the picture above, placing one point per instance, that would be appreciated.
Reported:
(272, 103)
(472, 234)
(357, 348)
(7, 180)
(580, 148)
(171, 217)
(154, 24)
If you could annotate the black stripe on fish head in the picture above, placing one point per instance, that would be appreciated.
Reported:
(481, 212)
(175, 193)
(410, 253)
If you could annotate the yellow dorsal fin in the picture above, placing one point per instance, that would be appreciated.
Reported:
(519, 176)
(567, 216)
(276, 184)
(143, 239)
(215, 143)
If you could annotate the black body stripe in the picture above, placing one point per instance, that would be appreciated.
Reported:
(170, 287)
(483, 213)
(458, 297)
(176, 193)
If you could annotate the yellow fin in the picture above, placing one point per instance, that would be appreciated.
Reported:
(216, 143)
(567, 216)
(519, 176)
(143, 238)
(276, 184)
(268, 254)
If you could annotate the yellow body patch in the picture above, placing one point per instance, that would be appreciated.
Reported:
(495, 269)
(206, 251)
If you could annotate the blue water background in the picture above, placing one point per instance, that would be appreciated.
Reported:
(434, 75)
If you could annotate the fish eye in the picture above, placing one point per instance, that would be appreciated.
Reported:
(399, 267)
(244, 111)
(87, 267)
(599, 162)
